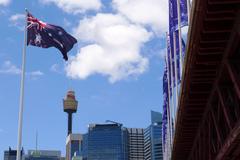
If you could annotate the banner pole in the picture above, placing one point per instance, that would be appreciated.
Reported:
(169, 92)
(20, 114)
(176, 76)
(179, 35)
(172, 101)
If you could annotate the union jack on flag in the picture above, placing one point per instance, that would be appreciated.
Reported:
(46, 35)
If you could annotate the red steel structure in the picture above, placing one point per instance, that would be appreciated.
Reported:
(208, 118)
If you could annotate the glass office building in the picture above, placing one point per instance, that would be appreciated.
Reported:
(84, 151)
(153, 138)
(107, 142)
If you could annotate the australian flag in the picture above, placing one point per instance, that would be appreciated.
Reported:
(46, 35)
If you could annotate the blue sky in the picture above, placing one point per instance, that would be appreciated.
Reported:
(115, 69)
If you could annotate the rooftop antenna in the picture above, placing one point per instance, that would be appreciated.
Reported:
(36, 141)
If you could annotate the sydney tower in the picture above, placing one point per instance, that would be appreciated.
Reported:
(70, 106)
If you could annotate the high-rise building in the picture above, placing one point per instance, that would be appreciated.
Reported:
(11, 154)
(136, 143)
(84, 152)
(107, 142)
(156, 117)
(43, 155)
(74, 145)
(153, 138)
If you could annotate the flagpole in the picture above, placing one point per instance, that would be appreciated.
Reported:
(168, 111)
(20, 114)
(176, 74)
(172, 102)
(167, 144)
(179, 35)
(169, 93)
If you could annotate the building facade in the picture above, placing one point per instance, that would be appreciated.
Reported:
(74, 145)
(153, 138)
(43, 155)
(136, 143)
(107, 142)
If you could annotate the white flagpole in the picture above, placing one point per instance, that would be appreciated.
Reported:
(172, 102)
(169, 94)
(20, 114)
(176, 75)
(179, 35)
(168, 140)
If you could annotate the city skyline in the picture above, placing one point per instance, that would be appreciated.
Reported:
(135, 141)
(115, 93)
(114, 61)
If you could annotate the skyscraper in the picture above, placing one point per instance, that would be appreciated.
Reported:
(107, 142)
(84, 152)
(153, 138)
(136, 143)
(73, 145)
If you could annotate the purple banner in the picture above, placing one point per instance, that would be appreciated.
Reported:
(184, 13)
(173, 14)
(170, 63)
(165, 104)
(171, 58)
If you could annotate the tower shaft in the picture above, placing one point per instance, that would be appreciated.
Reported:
(69, 123)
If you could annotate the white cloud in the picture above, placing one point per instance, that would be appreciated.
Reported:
(16, 17)
(36, 73)
(9, 68)
(17, 20)
(4, 2)
(114, 50)
(153, 13)
(75, 6)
